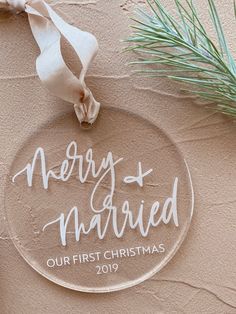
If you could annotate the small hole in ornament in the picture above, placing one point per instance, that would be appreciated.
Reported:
(85, 125)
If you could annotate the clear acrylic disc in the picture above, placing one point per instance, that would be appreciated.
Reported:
(102, 209)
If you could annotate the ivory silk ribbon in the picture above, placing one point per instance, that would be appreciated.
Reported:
(48, 28)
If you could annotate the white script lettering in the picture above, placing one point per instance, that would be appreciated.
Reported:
(84, 166)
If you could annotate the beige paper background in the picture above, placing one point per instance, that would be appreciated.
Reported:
(201, 278)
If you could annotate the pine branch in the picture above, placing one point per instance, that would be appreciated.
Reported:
(183, 51)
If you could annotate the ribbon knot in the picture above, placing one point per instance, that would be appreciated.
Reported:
(18, 5)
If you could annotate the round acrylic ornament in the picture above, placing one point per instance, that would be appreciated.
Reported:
(98, 210)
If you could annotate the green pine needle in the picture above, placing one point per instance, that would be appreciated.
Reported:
(181, 49)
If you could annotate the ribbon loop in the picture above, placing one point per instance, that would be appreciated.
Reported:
(48, 28)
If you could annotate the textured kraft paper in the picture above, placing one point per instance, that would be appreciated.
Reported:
(201, 277)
